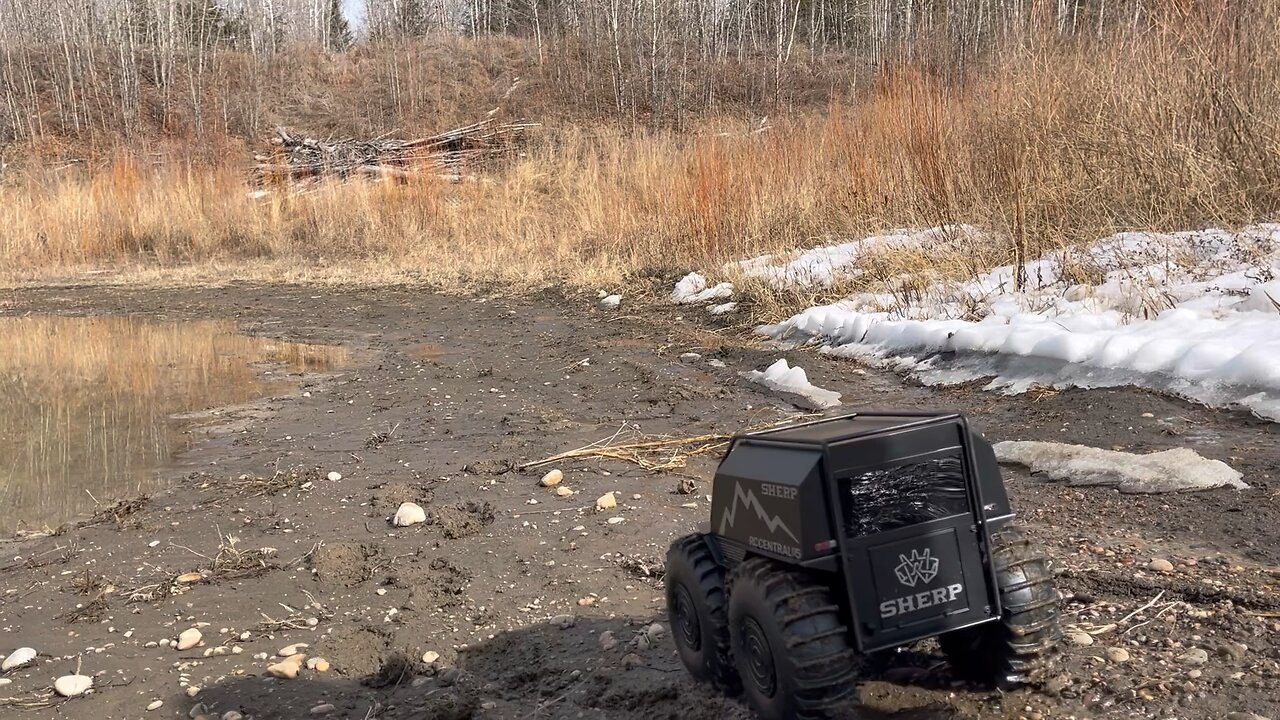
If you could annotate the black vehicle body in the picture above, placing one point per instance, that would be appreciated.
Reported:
(895, 509)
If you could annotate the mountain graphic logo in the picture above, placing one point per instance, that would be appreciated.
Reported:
(921, 567)
(747, 499)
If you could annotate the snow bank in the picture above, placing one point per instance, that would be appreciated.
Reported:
(1193, 313)
(824, 266)
(1176, 470)
(781, 377)
(692, 288)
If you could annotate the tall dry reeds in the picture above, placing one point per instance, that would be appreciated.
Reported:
(1052, 144)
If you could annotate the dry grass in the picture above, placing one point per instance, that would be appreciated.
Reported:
(1047, 147)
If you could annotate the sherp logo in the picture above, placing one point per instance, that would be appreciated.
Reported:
(747, 499)
(921, 567)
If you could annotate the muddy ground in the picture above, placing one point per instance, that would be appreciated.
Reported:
(446, 399)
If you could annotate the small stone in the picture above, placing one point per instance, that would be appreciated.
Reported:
(1194, 656)
(193, 691)
(552, 478)
(409, 514)
(685, 486)
(1195, 674)
(450, 676)
(380, 591)
(563, 492)
(587, 601)
(1117, 654)
(323, 709)
(291, 650)
(606, 502)
(18, 658)
(632, 660)
(564, 622)
(1078, 639)
(232, 715)
(155, 705)
(616, 520)
(430, 656)
(1161, 565)
(246, 635)
(655, 631)
(322, 665)
(189, 638)
(1233, 651)
(1055, 685)
(334, 476)
(260, 656)
(607, 641)
(72, 685)
(690, 357)
(151, 644)
(197, 710)
(610, 302)
(1244, 716)
(288, 668)
(188, 578)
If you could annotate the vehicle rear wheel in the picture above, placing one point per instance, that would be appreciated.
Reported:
(697, 606)
(790, 645)
(1018, 649)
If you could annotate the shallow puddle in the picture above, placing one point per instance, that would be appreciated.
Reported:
(86, 404)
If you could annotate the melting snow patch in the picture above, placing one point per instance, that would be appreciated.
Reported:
(1196, 314)
(783, 378)
(723, 309)
(1175, 470)
(692, 288)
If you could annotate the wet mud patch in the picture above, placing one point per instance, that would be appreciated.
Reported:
(442, 585)
(388, 497)
(462, 520)
(345, 564)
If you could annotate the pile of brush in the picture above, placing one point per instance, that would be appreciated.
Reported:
(449, 154)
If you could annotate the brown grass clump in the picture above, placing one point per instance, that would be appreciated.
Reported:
(1049, 144)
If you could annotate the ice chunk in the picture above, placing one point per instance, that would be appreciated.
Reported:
(1177, 470)
(781, 377)
(692, 288)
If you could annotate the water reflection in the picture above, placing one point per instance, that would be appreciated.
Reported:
(85, 403)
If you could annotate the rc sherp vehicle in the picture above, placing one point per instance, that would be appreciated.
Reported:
(837, 538)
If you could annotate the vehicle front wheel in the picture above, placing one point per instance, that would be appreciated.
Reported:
(696, 606)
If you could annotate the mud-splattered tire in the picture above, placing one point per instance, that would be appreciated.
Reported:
(1019, 649)
(697, 605)
(790, 645)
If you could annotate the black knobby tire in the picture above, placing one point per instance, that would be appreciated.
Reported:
(1019, 649)
(790, 644)
(697, 605)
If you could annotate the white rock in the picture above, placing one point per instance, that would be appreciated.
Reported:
(610, 302)
(232, 715)
(291, 650)
(288, 668)
(1078, 639)
(409, 514)
(260, 656)
(606, 501)
(616, 520)
(155, 705)
(334, 476)
(552, 478)
(18, 658)
(189, 639)
(72, 685)
(690, 357)
(563, 491)
(322, 709)
(430, 656)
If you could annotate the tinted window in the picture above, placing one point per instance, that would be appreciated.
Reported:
(889, 498)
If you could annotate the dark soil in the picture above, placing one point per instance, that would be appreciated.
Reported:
(515, 597)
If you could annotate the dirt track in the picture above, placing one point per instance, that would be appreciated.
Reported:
(448, 395)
